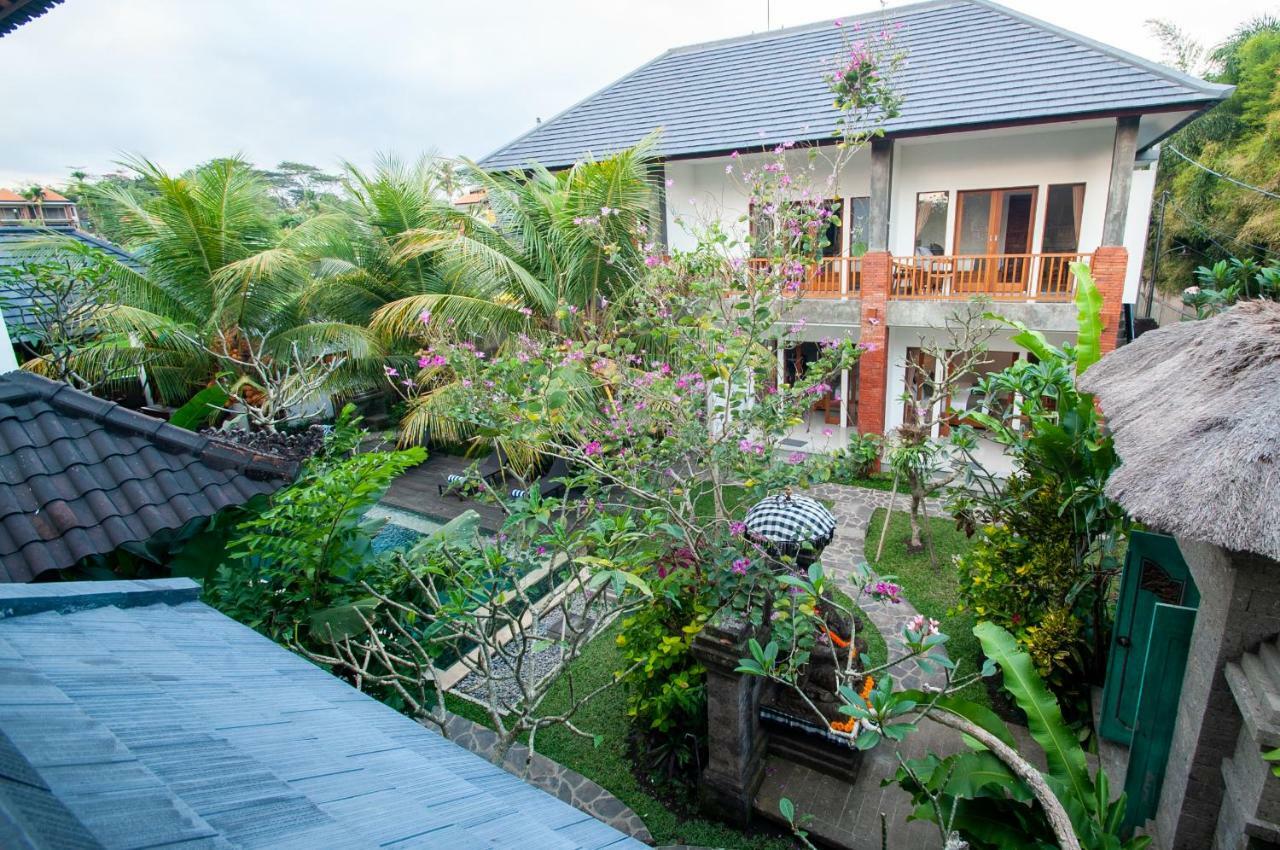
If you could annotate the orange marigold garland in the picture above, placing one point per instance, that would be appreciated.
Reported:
(847, 726)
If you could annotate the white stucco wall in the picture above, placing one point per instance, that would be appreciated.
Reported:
(1074, 152)
(8, 360)
(1135, 227)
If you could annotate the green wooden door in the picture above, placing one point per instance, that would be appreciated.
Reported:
(1154, 572)
(1165, 662)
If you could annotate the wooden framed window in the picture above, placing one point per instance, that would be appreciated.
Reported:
(1062, 215)
(931, 223)
(856, 223)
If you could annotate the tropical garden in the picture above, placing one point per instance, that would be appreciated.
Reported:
(634, 393)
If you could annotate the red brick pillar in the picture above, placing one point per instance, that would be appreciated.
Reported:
(873, 366)
(1110, 263)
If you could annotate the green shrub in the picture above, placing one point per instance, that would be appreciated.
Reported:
(666, 690)
(311, 547)
(856, 460)
(1024, 575)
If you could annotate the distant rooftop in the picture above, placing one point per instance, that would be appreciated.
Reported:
(16, 238)
(8, 196)
(970, 63)
(132, 715)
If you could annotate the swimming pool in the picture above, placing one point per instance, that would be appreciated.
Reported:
(403, 529)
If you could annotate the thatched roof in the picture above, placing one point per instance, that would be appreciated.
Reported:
(1195, 410)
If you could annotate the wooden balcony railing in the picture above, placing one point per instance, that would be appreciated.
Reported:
(1000, 277)
(829, 277)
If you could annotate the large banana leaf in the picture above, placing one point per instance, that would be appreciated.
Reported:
(1088, 319)
(1062, 751)
(342, 621)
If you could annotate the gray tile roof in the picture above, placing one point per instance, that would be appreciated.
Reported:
(135, 716)
(81, 476)
(969, 63)
(15, 301)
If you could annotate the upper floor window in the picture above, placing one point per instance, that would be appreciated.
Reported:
(931, 223)
(856, 222)
(1062, 219)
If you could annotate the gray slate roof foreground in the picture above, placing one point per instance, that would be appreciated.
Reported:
(969, 63)
(133, 716)
(81, 476)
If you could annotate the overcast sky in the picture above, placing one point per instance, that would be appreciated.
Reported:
(319, 81)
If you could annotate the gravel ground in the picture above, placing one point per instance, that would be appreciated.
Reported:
(537, 665)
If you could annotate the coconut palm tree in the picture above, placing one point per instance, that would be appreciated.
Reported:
(221, 284)
(546, 243)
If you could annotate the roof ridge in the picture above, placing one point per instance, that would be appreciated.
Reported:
(167, 436)
(783, 32)
(65, 597)
(1171, 74)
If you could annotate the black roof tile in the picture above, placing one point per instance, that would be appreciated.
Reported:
(80, 476)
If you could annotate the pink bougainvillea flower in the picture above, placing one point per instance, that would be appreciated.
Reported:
(826, 432)
(425, 317)
(737, 528)
(592, 448)
(796, 457)
(740, 566)
(391, 371)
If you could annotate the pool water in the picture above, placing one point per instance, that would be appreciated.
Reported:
(393, 537)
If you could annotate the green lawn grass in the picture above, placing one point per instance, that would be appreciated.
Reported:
(933, 592)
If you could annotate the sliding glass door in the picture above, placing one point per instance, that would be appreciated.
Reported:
(993, 240)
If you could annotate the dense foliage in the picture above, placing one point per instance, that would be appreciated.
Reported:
(311, 548)
(1048, 535)
(1206, 217)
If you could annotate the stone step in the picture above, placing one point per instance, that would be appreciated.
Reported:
(1252, 707)
(1262, 687)
(1270, 655)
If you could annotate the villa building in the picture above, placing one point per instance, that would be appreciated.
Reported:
(1020, 148)
(52, 210)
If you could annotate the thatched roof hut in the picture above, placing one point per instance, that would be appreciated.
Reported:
(1195, 410)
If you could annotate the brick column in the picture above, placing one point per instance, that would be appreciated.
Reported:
(873, 366)
(1110, 264)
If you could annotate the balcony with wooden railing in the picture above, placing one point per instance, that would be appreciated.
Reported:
(829, 277)
(1000, 277)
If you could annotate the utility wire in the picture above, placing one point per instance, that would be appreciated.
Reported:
(1210, 232)
(1222, 176)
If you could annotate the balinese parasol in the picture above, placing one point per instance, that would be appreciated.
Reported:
(787, 524)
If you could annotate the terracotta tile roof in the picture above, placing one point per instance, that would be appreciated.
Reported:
(476, 197)
(9, 196)
(81, 476)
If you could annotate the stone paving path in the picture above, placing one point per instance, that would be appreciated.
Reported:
(853, 507)
(848, 814)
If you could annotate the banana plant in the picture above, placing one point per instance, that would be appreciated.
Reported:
(994, 809)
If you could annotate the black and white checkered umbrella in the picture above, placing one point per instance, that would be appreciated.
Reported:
(790, 521)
